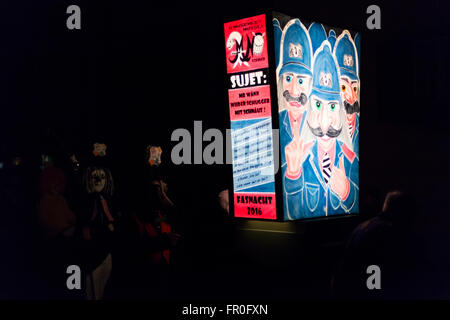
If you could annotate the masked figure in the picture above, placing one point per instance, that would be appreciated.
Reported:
(347, 59)
(150, 231)
(294, 87)
(329, 172)
(153, 155)
(98, 227)
(99, 149)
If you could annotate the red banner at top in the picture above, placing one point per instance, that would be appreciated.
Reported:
(246, 44)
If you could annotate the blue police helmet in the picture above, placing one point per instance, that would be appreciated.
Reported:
(332, 38)
(346, 56)
(277, 39)
(317, 34)
(296, 45)
(325, 74)
(358, 49)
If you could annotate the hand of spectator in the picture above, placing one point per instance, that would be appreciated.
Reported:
(224, 201)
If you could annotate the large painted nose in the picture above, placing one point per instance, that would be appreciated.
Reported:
(324, 120)
(297, 89)
(294, 88)
(351, 96)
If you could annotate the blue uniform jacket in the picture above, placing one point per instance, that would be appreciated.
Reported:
(309, 197)
(355, 138)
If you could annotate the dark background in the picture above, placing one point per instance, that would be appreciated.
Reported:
(137, 70)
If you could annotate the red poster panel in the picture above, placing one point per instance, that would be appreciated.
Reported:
(246, 45)
(249, 103)
(255, 205)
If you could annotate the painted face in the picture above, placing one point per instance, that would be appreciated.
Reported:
(349, 94)
(324, 120)
(154, 158)
(258, 43)
(232, 39)
(98, 180)
(296, 89)
(99, 149)
(230, 43)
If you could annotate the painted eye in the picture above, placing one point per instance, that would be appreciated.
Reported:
(355, 89)
(332, 106)
(318, 105)
(300, 81)
(343, 88)
(288, 79)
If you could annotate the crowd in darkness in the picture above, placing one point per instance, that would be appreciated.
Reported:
(125, 234)
(142, 237)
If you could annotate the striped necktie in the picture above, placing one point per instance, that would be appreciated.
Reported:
(350, 128)
(326, 170)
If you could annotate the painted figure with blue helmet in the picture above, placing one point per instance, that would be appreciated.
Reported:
(348, 61)
(294, 86)
(358, 49)
(317, 34)
(332, 38)
(277, 32)
(330, 170)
